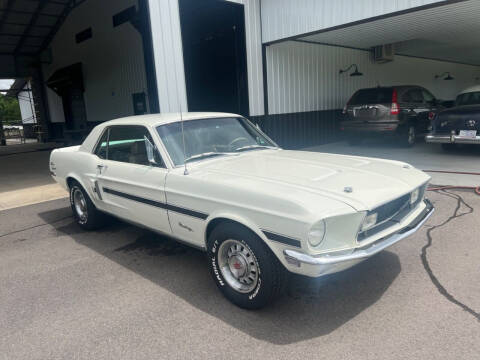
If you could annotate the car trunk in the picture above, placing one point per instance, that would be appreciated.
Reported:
(370, 105)
(459, 118)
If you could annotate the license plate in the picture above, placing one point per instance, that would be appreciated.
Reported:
(468, 133)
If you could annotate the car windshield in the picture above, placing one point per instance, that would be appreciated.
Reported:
(205, 138)
(372, 96)
(470, 98)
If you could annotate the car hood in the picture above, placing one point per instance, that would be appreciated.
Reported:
(465, 117)
(372, 181)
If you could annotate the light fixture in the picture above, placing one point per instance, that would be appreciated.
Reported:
(354, 73)
(448, 77)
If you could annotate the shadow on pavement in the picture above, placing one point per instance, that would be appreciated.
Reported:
(310, 307)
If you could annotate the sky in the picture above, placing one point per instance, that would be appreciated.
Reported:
(6, 83)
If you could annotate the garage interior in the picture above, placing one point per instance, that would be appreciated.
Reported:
(305, 86)
(214, 52)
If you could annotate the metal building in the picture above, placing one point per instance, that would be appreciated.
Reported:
(276, 61)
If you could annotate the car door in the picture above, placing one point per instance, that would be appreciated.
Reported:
(417, 110)
(128, 185)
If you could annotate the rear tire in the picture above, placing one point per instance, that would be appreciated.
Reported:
(243, 267)
(85, 213)
(409, 136)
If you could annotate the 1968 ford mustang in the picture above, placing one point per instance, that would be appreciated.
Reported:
(216, 182)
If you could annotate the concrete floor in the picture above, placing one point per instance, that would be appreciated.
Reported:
(125, 293)
(423, 156)
(25, 179)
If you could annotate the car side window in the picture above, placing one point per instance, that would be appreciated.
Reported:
(126, 143)
(427, 96)
(406, 97)
(416, 96)
(101, 149)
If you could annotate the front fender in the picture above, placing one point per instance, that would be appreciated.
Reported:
(276, 247)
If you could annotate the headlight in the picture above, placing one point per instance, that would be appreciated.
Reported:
(414, 196)
(317, 233)
(369, 222)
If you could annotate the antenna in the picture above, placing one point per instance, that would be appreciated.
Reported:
(185, 172)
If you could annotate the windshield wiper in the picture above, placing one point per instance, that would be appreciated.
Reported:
(205, 155)
(254, 147)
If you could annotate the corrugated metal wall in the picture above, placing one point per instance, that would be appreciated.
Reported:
(27, 107)
(286, 18)
(304, 77)
(112, 60)
(167, 49)
(167, 45)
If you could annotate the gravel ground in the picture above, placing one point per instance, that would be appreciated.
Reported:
(126, 293)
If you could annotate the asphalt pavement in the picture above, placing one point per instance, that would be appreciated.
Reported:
(125, 293)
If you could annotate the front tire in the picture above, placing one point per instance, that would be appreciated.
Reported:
(243, 267)
(85, 213)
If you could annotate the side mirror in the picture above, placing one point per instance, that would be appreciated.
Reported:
(150, 151)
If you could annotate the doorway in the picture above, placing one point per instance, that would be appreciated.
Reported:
(214, 50)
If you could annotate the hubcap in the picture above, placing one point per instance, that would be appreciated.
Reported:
(238, 265)
(80, 205)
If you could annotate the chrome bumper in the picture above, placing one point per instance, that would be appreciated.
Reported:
(451, 139)
(296, 258)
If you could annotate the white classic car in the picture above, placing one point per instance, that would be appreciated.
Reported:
(216, 182)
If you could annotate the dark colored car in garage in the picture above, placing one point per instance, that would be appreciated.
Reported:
(404, 112)
(460, 124)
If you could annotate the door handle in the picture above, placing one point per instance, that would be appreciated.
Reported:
(101, 167)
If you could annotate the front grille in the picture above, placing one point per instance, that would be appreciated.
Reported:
(391, 208)
(391, 213)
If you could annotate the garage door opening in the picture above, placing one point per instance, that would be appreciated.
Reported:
(214, 49)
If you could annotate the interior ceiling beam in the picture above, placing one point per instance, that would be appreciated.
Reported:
(22, 35)
(28, 12)
(71, 5)
(51, 2)
(26, 24)
(4, 16)
(41, 4)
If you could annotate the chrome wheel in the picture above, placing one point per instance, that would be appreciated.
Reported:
(80, 205)
(238, 265)
(411, 135)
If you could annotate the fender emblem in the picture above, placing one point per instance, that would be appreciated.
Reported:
(348, 189)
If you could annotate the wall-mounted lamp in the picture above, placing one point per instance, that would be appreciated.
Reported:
(355, 73)
(448, 77)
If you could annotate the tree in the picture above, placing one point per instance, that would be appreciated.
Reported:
(9, 113)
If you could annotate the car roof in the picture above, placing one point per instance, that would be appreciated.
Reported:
(392, 87)
(474, 88)
(166, 118)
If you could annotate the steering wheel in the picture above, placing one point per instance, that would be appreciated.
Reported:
(238, 139)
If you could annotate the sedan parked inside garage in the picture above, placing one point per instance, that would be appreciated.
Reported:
(460, 124)
(216, 182)
(404, 112)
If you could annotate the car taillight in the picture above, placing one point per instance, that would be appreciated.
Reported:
(394, 110)
(431, 115)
